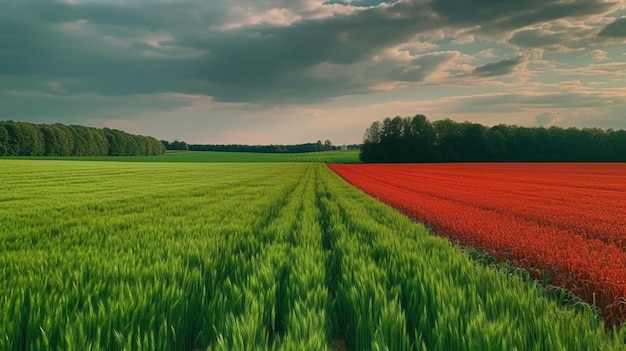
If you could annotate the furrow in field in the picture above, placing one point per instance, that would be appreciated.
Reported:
(303, 306)
(284, 303)
(366, 314)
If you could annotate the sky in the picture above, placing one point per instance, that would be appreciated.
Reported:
(297, 71)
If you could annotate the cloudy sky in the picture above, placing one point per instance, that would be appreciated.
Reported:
(295, 71)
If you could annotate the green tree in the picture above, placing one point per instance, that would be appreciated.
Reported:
(617, 140)
(157, 147)
(319, 146)
(371, 143)
(65, 140)
(497, 142)
(81, 146)
(447, 134)
(328, 145)
(176, 145)
(115, 142)
(420, 136)
(4, 140)
(33, 140)
(16, 138)
(50, 139)
(391, 139)
(28, 139)
(473, 144)
(100, 145)
(417, 140)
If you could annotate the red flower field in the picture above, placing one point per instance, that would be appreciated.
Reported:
(565, 220)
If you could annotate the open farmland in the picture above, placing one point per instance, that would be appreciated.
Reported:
(567, 222)
(351, 156)
(273, 256)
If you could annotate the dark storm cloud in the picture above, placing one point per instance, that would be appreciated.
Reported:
(262, 62)
(616, 29)
(270, 61)
(500, 68)
(420, 68)
(102, 47)
(34, 45)
(76, 109)
(152, 15)
(537, 39)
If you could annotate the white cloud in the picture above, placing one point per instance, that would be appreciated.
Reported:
(275, 17)
(599, 55)
(595, 69)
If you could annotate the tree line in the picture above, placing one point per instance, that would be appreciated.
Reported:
(416, 139)
(175, 145)
(298, 148)
(28, 139)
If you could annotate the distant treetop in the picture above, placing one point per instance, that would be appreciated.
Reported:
(416, 139)
(298, 148)
(28, 139)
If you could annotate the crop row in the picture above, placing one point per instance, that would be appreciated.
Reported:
(565, 220)
(114, 256)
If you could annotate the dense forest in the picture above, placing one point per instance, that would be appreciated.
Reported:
(28, 139)
(406, 139)
(309, 147)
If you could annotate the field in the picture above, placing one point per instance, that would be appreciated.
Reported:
(351, 156)
(565, 222)
(247, 256)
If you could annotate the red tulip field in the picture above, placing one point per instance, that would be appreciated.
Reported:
(565, 222)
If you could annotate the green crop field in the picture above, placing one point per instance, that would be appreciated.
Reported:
(247, 256)
(351, 156)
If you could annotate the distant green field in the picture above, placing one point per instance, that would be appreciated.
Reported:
(351, 156)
